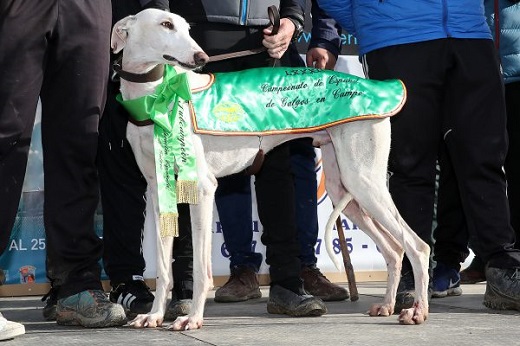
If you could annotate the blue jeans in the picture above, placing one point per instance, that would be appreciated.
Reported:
(234, 205)
(233, 200)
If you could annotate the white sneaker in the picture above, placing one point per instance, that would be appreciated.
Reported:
(10, 330)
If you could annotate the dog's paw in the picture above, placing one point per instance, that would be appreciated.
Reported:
(186, 323)
(381, 310)
(147, 321)
(417, 314)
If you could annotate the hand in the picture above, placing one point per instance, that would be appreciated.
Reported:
(320, 58)
(277, 44)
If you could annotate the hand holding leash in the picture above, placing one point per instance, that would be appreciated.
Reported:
(274, 18)
(277, 38)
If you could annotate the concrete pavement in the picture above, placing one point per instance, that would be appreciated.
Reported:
(456, 321)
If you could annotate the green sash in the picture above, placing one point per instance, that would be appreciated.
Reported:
(173, 148)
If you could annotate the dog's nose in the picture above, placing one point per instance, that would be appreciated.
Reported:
(200, 58)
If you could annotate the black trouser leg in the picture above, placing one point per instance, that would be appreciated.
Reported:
(123, 190)
(451, 234)
(513, 155)
(275, 197)
(415, 133)
(477, 144)
(183, 256)
(73, 94)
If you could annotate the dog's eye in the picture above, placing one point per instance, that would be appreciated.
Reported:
(167, 25)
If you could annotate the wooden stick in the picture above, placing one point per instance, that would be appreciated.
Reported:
(349, 269)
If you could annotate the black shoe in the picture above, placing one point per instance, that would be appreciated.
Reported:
(502, 289)
(405, 295)
(286, 302)
(405, 292)
(134, 296)
(51, 300)
(177, 307)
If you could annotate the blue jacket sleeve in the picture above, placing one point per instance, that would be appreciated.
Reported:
(325, 31)
(341, 11)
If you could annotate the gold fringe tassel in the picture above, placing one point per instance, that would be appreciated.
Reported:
(187, 191)
(169, 224)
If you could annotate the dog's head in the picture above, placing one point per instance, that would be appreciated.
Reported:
(157, 37)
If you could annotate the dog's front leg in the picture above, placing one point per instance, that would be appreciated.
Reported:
(201, 221)
(164, 271)
(163, 286)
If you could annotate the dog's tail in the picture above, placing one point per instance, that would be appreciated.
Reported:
(330, 225)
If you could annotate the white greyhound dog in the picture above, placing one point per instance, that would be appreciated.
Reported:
(355, 158)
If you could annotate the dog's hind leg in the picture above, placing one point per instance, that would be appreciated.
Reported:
(362, 150)
(390, 249)
(201, 223)
(417, 251)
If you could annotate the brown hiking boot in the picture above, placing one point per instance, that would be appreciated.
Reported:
(91, 309)
(241, 286)
(474, 273)
(316, 284)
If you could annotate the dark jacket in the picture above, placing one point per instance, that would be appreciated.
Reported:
(245, 12)
(325, 31)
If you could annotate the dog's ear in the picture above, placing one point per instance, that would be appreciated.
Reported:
(120, 33)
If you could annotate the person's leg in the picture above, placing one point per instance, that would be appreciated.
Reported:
(513, 154)
(305, 186)
(122, 189)
(233, 195)
(451, 234)
(478, 147)
(234, 205)
(73, 96)
(415, 137)
(275, 198)
(18, 100)
(182, 292)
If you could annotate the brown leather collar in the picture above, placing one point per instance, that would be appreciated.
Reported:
(151, 76)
